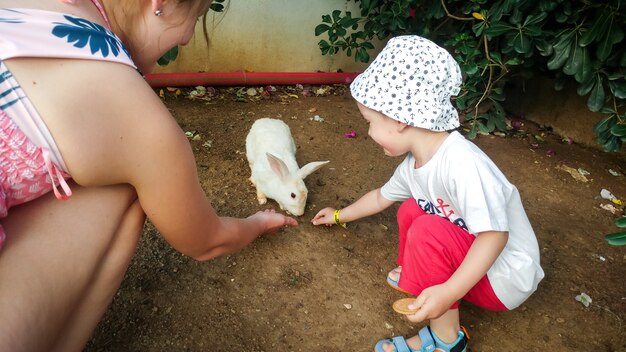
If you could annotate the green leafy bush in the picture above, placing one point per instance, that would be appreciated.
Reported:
(502, 40)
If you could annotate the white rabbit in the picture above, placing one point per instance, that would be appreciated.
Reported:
(271, 153)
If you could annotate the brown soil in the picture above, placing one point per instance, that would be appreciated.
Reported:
(323, 289)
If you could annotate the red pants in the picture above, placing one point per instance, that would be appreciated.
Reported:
(431, 249)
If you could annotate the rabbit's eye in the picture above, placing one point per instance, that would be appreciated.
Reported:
(293, 195)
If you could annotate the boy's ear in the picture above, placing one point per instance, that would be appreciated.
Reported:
(401, 126)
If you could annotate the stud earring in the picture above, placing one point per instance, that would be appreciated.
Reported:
(158, 13)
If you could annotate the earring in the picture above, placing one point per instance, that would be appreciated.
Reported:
(158, 13)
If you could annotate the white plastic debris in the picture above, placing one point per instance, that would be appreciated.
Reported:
(606, 194)
(614, 173)
(584, 299)
(611, 208)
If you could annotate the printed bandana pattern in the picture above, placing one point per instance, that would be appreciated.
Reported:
(411, 81)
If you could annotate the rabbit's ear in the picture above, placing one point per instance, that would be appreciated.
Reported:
(309, 168)
(279, 167)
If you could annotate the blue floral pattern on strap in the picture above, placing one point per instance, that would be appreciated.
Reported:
(81, 33)
(11, 94)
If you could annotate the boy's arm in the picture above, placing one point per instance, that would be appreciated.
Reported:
(371, 203)
(482, 254)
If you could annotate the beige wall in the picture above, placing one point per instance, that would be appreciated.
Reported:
(265, 36)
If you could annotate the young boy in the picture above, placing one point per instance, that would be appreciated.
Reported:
(464, 233)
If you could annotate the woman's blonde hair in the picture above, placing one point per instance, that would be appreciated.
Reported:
(124, 11)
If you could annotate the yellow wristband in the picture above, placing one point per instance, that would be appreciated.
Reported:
(337, 222)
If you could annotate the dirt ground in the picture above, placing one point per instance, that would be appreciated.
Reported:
(323, 289)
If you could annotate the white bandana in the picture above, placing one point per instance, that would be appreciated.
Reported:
(411, 81)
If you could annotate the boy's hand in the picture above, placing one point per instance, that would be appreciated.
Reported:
(432, 303)
(324, 217)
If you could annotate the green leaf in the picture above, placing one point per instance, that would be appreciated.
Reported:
(482, 127)
(514, 61)
(618, 89)
(575, 60)
(561, 51)
(336, 15)
(605, 43)
(604, 125)
(470, 69)
(321, 28)
(545, 48)
(604, 137)
(619, 130)
(168, 57)
(621, 222)
(362, 55)
(460, 103)
(596, 97)
(535, 19)
(497, 29)
(472, 132)
(217, 7)
(348, 21)
(516, 17)
(612, 145)
(366, 5)
(597, 30)
(616, 239)
(585, 87)
(586, 67)
(522, 43)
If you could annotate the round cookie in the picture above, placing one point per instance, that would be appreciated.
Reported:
(402, 306)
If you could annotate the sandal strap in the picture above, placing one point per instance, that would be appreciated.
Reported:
(458, 345)
(400, 344)
(428, 340)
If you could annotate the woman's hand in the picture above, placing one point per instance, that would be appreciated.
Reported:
(432, 303)
(325, 216)
(271, 221)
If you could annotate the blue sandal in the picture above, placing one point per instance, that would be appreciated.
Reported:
(430, 341)
(394, 283)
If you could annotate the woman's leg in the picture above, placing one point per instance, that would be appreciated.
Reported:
(61, 265)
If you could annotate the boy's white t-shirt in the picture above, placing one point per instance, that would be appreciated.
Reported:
(461, 183)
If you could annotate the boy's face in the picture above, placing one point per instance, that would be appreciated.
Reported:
(383, 130)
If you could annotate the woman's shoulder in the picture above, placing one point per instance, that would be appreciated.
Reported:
(106, 110)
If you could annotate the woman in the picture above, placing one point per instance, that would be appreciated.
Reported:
(77, 118)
